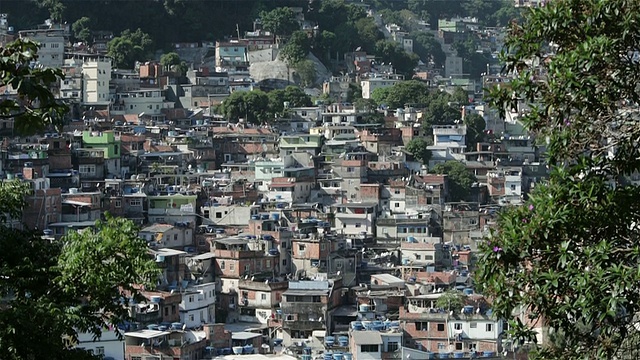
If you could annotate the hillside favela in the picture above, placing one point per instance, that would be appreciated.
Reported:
(323, 179)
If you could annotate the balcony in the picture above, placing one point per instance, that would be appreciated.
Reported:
(449, 130)
(304, 324)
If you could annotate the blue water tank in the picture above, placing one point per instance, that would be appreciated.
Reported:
(364, 308)
(307, 350)
(357, 325)
(273, 252)
(162, 328)
(458, 355)
(305, 357)
(343, 341)
(431, 355)
(444, 355)
(176, 326)
(255, 217)
(405, 261)
(265, 217)
(277, 342)
(153, 327)
(468, 291)
(329, 340)
(247, 349)
(275, 216)
(156, 299)
(328, 356)
(337, 356)
(347, 356)
(488, 354)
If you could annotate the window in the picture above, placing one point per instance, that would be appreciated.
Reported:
(350, 169)
(136, 358)
(392, 346)
(322, 246)
(358, 225)
(263, 296)
(422, 326)
(473, 325)
(87, 169)
(459, 346)
(441, 346)
(99, 350)
(222, 265)
(418, 257)
(135, 202)
(440, 327)
(368, 348)
(175, 237)
(489, 327)
(218, 215)
(246, 268)
(268, 264)
(457, 326)
(284, 262)
(397, 205)
(232, 266)
(190, 298)
(166, 311)
(190, 317)
(118, 203)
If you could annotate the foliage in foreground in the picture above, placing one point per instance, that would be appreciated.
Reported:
(569, 259)
(33, 107)
(51, 291)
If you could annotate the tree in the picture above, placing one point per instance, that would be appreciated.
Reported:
(418, 148)
(306, 72)
(170, 59)
(428, 48)
(570, 255)
(442, 109)
(252, 106)
(391, 52)
(296, 96)
(129, 47)
(460, 179)
(280, 21)
(297, 48)
(475, 130)
(56, 9)
(82, 283)
(82, 29)
(34, 108)
(451, 300)
(368, 33)
(401, 93)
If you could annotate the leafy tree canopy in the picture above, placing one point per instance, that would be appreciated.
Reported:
(476, 126)
(297, 48)
(570, 256)
(391, 52)
(460, 179)
(34, 108)
(428, 48)
(451, 300)
(129, 47)
(418, 148)
(405, 92)
(258, 107)
(82, 29)
(280, 21)
(305, 72)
